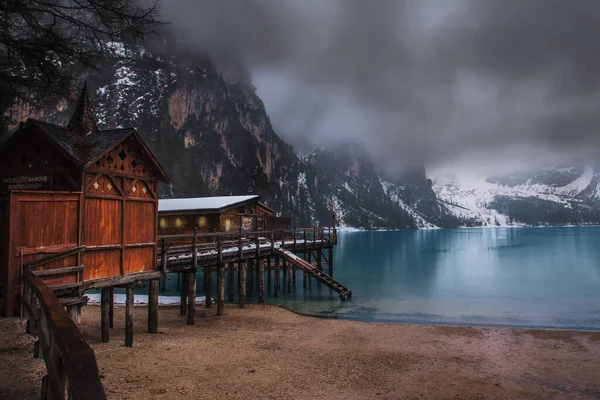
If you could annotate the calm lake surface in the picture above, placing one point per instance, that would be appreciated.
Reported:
(525, 277)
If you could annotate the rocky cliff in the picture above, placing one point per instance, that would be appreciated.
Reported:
(207, 126)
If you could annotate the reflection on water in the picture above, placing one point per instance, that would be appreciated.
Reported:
(545, 277)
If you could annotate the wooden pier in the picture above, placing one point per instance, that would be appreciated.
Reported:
(255, 255)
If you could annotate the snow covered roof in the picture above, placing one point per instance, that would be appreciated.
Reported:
(215, 203)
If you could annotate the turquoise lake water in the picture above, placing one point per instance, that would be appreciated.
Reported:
(525, 277)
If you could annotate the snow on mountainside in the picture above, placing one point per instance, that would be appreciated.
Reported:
(545, 196)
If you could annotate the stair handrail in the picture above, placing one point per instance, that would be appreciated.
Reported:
(70, 361)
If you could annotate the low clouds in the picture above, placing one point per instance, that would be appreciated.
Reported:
(469, 83)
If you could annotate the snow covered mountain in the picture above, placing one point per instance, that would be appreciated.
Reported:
(203, 119)
(547, 196)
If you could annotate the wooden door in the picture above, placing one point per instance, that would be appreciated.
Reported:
(40, 223)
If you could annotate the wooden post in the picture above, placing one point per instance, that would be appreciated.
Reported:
(153, 306)
(208, 286)
(277, 277)
(129, 316)
(183, 277)
(283, 270)
(250, 276)
(289, 275)
(257, 244)
(330, 262)
(261, 281)
(240, 244)
(221, 289)
(242, 283)
(319, 260)
(314, 237)
(268, 271)
(163, 262)
(104, 314)
(111, 308)
(230, 283)
(305, 243)
(191, 300)
(294, 239)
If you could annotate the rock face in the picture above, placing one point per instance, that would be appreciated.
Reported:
(202, 118)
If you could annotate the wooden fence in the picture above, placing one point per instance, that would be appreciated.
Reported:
(70, 361)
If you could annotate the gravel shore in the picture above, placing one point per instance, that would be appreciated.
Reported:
(267, 352)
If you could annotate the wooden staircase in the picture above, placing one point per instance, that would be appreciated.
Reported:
(310, 269)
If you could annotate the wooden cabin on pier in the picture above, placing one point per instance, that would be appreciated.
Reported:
(75, 187)
(217, 214)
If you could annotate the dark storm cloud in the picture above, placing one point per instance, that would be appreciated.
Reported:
(490, 82)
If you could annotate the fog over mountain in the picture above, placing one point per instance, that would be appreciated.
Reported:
(449, 83)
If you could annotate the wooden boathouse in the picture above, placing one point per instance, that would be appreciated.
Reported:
(66, 187)
(79, 210)
(217, 214)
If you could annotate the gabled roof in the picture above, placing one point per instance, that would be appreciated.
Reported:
(80, 141)
(216, 203)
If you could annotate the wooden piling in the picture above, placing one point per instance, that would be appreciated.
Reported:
(290, 280)
(277, 277)
(111, 308)
(250, 276)
(220, 289)
(191, 297)
(129, 315)
(268, 272)
(104, 314)
(183, 278)
(208, 286)
(319, 261)
(153, 306)
(330, 262)
(242, 284)
(261, 281)
(230, 283)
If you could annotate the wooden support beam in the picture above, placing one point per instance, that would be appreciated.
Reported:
(330, 262)
(319, 261)
(111, 308)
(129, 316)
(153, 306)
(261, 281)
(191, 300)
(208, 287)
(242, 284)
(183, 278)
(268, 272)
(105, 314)
(230, 283)
(221, 289)
(250, 276)
(284, 270)
(277, 277)
(289, 275)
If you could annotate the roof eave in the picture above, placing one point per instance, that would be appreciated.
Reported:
(32, 123)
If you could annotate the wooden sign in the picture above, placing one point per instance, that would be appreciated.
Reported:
(26, 182)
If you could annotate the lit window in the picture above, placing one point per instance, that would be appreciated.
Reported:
(179, 223)
(202, 221)
(162, 223)
(227, 225)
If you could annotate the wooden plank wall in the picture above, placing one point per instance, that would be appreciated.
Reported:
(121, 217)
(40, 222)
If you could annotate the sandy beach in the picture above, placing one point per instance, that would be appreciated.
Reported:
(270, 353)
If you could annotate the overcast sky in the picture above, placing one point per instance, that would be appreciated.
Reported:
(454, 84)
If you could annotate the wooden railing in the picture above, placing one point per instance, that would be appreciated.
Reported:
(70, 361)
(249, 244)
